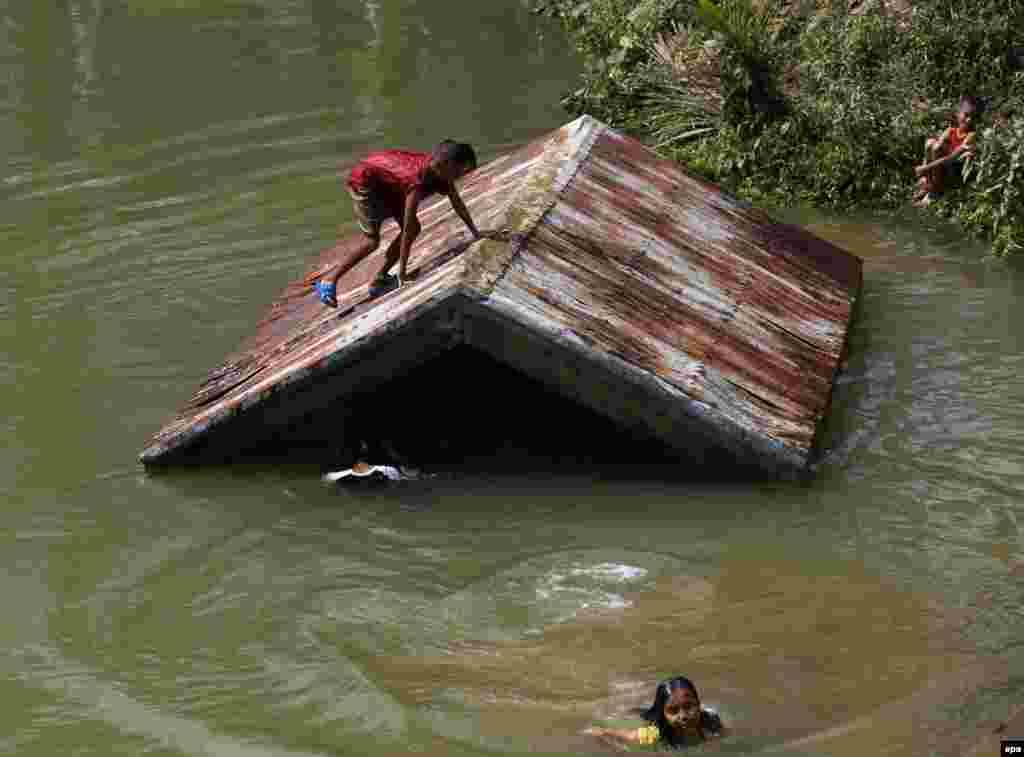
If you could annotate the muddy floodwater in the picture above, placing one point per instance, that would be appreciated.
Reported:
(168, 167)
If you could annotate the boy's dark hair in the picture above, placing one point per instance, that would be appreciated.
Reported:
(455, 152)
(970, 101)
(656, 712)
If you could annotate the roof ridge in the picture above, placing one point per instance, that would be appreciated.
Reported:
(564, 154)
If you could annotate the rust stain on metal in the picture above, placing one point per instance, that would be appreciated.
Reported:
(652, 274)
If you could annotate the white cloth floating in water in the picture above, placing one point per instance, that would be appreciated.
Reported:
(365, 470)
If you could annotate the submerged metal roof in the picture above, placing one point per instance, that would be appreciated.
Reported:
(618, 277)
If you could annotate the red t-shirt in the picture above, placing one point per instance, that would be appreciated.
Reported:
(955, 138)
(390, 175)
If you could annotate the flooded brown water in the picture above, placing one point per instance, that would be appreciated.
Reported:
(169, 166)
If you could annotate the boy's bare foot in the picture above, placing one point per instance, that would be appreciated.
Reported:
(408, 277)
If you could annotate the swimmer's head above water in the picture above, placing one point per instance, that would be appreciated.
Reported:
(678, 715)
(675, 719)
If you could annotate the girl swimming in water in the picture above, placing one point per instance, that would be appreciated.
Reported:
(676, 719)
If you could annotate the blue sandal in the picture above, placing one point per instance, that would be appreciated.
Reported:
(328, 293)
(382, 285)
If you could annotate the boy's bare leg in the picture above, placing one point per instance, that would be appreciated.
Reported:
(931, 181)
(929, 150)
(922, 183)
(390, 257)
(937, 176)
(937, 179)
(350, 261)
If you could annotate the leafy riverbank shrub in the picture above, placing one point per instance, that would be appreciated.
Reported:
(613, 37)
(785, 101)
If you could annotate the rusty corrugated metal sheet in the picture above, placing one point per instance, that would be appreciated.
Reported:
(675, 278)
(300, 337)
(734, 323)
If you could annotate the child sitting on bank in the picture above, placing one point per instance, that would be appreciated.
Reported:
(392, 184)
(944, 154)
(676, 719)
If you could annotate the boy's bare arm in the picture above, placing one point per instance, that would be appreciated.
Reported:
(964, 149)
(410, 230)
(463, 212)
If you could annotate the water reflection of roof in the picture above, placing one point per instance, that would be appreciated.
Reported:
(621, 279)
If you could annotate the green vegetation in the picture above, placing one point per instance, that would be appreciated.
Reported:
(785, 101)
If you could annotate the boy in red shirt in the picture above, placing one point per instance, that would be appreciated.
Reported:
(943, 155)
(392, 184)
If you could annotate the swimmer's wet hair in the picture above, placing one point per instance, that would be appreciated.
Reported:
(664, 692)
(456, 152)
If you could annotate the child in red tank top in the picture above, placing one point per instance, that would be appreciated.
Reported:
(392, 184)
(944, 154)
